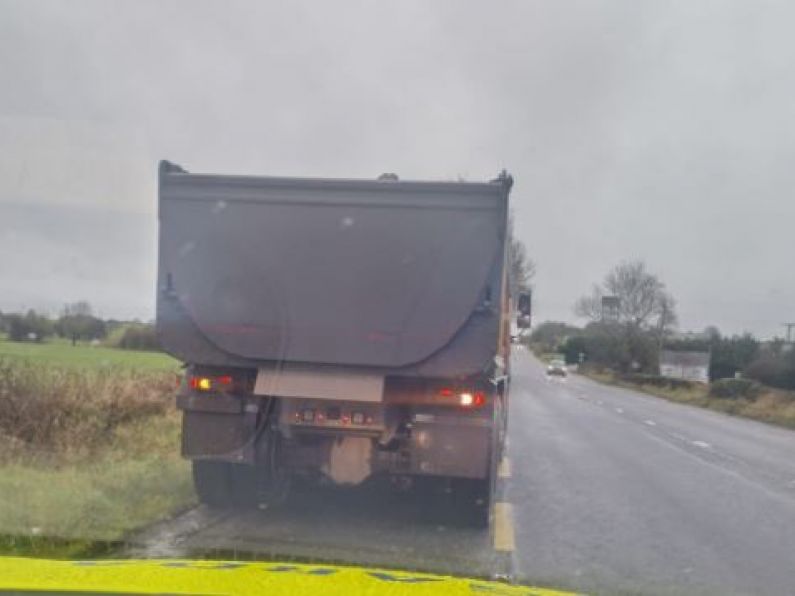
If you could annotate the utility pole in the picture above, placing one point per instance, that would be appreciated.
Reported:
(790, 327)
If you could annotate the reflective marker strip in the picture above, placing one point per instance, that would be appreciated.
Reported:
(505, 468)
(503, 528)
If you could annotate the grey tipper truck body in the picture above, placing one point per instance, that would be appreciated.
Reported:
(336, 329)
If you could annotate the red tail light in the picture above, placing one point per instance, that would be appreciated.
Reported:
(211, 383)
(466, 398)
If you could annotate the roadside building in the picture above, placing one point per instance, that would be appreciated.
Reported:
(690, 366)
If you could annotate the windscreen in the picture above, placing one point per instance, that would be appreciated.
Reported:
(482, 289)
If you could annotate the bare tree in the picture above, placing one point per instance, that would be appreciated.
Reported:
(79, 308)
(78, 322)
(644, 302)
(666, 313)
(590, 305)
(522, 266)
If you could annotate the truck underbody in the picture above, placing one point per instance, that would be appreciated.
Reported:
(247, 448)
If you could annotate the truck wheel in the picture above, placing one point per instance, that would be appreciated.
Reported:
(481, 497)
(272, 483)
(213, 482)
(223, 484)
(482, 491)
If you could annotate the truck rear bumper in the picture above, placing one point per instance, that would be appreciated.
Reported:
(450, 446)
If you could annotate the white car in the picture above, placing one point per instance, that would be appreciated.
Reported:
(557, 368)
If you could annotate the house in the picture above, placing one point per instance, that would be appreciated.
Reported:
(691, 366)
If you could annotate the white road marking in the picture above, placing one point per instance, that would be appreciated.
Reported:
(650, 422)
(702, 444)
(600, 402)
(619, 410)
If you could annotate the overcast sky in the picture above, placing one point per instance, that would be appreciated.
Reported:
(659, 130)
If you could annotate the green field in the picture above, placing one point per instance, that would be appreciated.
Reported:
(60, 352)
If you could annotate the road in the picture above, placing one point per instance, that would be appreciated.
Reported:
(617, 491)
(608, 491)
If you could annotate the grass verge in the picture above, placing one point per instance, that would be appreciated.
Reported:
(86, 456)
(773, 406)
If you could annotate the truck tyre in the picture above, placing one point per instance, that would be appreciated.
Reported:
(482, 491)
(482, 497)
(213, 482)
(272, 483)
(223, 484)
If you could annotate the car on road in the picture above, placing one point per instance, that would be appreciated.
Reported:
(557, 368)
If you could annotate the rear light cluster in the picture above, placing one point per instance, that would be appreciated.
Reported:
(211, 383)
(464, 398)
(312, 416)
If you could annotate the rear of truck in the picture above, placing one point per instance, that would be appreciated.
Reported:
(336, 330)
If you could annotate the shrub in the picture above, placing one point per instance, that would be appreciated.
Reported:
(549, 335)
(66, 409)
(139, 337)
(774, 370)
(656, 381)
(28, 326)
(77, 327)
(736, 389)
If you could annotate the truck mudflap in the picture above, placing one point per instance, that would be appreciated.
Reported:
(451, 446)
(219, 427)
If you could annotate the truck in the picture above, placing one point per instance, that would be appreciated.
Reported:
(336, 330)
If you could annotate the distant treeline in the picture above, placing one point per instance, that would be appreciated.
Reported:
(611, 346)
(632, 317)
(77, 323)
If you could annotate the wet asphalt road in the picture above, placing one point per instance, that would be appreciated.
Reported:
(614, 491)
(611, 492)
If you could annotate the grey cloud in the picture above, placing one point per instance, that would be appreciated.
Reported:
(661, 131)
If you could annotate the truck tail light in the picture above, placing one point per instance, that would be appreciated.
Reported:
(201, 383)
(465, 397)
(470, 399)
(211, 383)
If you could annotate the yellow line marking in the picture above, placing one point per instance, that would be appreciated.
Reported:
(504, 470)
(503, 527)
